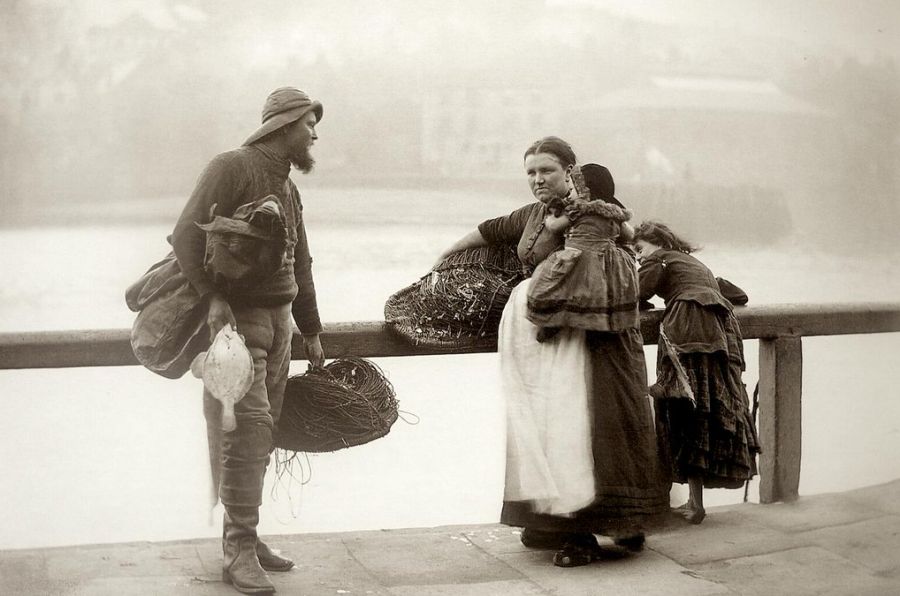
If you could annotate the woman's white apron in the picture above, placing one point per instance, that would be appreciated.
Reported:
(545, 386)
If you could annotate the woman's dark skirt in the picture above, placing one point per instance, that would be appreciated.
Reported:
(632, 489)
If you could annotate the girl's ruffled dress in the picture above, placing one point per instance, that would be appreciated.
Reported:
(703, 411)
(592, 282)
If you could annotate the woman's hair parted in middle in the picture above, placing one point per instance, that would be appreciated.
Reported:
(660, 235)
(556, 147)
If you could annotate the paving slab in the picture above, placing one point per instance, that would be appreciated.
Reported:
(122, 560)
(718, 538)
(811, 571)
(833, 544)
(24, 572)
(810, 513)
(884, 497)
(323, 565)
(143, 586)
(645, 573)
(522, 587)
(874, 544)
(494, 539)
(210, 554)
(437, 558)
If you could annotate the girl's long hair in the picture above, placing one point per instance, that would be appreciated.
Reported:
(659, 234)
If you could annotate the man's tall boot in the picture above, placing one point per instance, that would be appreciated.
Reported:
(246, 452)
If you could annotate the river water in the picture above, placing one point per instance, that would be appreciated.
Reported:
(118, 454)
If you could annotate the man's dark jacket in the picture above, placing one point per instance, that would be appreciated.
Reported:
(233, 179)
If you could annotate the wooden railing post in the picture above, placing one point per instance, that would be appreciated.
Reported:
(780, 383)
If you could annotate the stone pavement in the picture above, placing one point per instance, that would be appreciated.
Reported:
(843, 543)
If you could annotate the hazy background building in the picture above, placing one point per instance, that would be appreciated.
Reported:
(792, 107)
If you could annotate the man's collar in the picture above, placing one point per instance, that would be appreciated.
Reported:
(282, 163)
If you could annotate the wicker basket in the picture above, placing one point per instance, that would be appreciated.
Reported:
(460, 302)
(348, 402)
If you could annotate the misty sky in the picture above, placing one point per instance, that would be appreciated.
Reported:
(196, 72)
(866, 28)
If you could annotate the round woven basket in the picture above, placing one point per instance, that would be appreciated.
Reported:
(460, 302)
(348, 402)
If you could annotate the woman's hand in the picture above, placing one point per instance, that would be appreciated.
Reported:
(557, 223)
(219, 315)
(314, 352)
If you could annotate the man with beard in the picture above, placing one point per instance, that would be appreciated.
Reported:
(261, 312)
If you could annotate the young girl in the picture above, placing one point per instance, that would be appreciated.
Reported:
(703, 417)
(591, 283)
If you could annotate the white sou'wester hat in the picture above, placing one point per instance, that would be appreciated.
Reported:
(283, 106)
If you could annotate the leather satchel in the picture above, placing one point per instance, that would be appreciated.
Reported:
(170, 329)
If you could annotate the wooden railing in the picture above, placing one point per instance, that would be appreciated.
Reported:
(778, 327)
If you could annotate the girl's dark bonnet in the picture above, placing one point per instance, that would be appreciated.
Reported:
(600, 182)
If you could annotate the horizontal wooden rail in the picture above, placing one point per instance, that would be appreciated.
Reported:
(111, 347)
(778, 327)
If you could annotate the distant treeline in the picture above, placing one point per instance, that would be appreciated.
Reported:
(712, 213)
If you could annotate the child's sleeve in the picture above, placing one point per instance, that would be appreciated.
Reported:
(650, 277)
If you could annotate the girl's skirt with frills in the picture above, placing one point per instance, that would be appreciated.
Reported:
(592, 289)
(711, 435)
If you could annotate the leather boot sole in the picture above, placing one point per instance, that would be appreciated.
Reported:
(226, 577)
